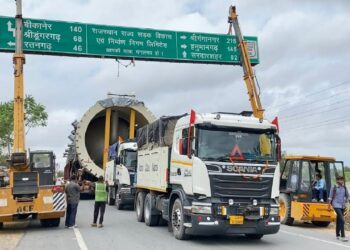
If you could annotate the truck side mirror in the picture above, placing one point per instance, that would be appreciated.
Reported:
(117, 160)
(278, 148)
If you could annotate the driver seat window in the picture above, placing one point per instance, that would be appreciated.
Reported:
(294, 177)
(305, 184)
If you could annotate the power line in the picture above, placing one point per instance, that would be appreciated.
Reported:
(315, 101)
(312, 94)
(313, 114)
(320, 125)
(311, 110)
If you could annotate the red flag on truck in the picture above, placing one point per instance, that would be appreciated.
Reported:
(192, 121)
(275, 122)
(192, 117)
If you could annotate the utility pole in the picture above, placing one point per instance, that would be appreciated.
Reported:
(18, 157)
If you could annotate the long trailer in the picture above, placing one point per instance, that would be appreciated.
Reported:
(207, 174)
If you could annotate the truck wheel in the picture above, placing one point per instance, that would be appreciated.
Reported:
(111, 198)
(254, 236)
(177, 221)
(1, 225)
(321, 223)
(50, 222)
(118, 202)
(150, 219)
(140, 201)
(285, 209)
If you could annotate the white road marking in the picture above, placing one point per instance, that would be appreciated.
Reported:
(80, 239)
(314, 238)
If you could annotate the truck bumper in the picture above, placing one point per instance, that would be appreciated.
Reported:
(37, 215)
(208, 225)
(127, 195)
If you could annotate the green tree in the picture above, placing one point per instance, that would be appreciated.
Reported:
(59, 173)
(35, 116)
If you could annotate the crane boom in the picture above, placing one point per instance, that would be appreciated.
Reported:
(249, 79)
(18, 157)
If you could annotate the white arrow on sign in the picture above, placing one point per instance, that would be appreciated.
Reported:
(183, 46)
(10, 29)
(11, 44)
(184, 54)
(183, 37)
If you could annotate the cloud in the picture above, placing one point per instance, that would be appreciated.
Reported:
(54, 136)
(303, 49)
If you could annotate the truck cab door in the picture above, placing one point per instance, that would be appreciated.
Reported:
(181, 168)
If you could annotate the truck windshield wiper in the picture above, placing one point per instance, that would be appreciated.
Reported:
(222, 158)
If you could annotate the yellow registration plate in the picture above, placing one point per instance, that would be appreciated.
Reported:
(236, 220)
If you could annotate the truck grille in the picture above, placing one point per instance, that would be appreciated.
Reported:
(235, 186)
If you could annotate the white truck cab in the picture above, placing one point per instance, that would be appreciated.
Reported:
(219, 174)
(120, 174)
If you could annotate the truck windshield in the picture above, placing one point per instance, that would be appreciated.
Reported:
(235, 144)
(130, 159)
(41, 160)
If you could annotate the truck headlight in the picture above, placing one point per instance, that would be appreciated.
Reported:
(199, 209)
(274, 211)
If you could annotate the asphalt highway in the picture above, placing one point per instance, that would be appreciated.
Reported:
(122, 231)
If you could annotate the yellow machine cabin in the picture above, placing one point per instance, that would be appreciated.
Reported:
(299, 199)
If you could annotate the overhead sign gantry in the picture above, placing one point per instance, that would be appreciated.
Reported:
(47, 37)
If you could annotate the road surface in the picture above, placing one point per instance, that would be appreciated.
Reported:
(122, 231)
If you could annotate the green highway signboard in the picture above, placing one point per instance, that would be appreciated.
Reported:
(90, 40)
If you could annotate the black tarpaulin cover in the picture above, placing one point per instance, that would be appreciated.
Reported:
(159, 133)
(120, 102)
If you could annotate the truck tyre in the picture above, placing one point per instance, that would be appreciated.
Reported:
(50, 222)
(111, 196)
(140, 201)
(150, 219)
(254, 236)
(177, 221)
(285, 209)
(1, 225)
(321, 223)
(118, 202)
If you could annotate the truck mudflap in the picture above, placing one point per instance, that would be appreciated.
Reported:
(204, 224)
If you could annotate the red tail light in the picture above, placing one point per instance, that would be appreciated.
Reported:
(58, 189)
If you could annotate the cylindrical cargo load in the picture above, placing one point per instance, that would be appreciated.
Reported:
(90, 131)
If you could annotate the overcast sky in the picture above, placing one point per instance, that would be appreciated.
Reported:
(304, 57)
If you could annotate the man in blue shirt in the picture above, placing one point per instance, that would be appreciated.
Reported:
(318, 189)
(338, 196)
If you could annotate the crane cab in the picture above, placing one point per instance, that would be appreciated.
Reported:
(43, 162)
(299, 199)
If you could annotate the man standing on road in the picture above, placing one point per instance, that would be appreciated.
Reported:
(338, 197)
(100, 201)
(72, 191)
